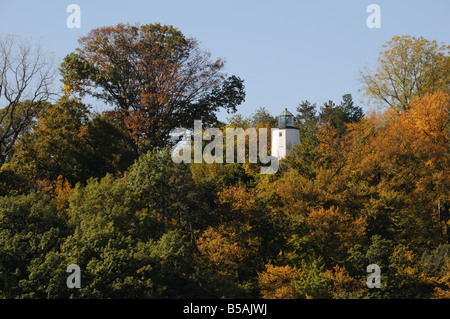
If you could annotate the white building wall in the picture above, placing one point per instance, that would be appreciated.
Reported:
(282, 140)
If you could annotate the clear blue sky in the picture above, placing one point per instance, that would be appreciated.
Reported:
(286, 50)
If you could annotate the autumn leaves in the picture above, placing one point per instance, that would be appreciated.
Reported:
(102, 191)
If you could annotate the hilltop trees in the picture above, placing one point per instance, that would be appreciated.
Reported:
(68, 140)
(155, 77)
(101, 190)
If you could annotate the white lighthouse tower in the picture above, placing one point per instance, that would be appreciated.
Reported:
(285, 136)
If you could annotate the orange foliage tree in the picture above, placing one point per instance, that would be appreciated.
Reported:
(276, 282)
(156, 78)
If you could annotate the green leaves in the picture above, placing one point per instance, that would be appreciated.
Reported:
(102, 191)
(30, 228)
(68, 140)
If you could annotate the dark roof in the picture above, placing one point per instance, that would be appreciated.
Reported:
(286, 113)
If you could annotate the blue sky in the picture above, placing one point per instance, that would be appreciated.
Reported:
(287, 51)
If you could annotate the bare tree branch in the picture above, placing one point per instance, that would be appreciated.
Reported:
(26, 77)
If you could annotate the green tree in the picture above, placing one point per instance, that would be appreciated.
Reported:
(340, 115)
(66, 141)
(307, 113)
(30, 228)
(312, 282)
(262, 116)
(133, 235)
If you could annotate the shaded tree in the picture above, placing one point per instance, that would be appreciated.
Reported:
(66, 141)
(30, 228)
(340, 115)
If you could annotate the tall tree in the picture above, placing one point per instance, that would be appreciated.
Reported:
(155, 77)
(340, 115)
(26, 75)
(407, 67)
(307, 113)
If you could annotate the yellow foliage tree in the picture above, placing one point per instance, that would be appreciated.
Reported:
(408, 67)
(276, 282)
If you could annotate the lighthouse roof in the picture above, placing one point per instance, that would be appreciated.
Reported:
(286, 120)
(286, 113)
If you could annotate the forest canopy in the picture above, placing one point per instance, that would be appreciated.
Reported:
(100, 190)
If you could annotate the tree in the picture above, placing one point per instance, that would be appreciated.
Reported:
(307, 114)
(276, 282)
(262, 116)
(340, 115)
(313, 281)
(343, 285)
(30, 228)
(155, 77)
(168, 191)
(238, 121)
(219, 257)
(26, 75)
(333, 232)
(352, 112)
(67, 141)
(407, 67)
(414, 154)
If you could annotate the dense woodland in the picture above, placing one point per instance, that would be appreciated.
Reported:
(100, 190)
